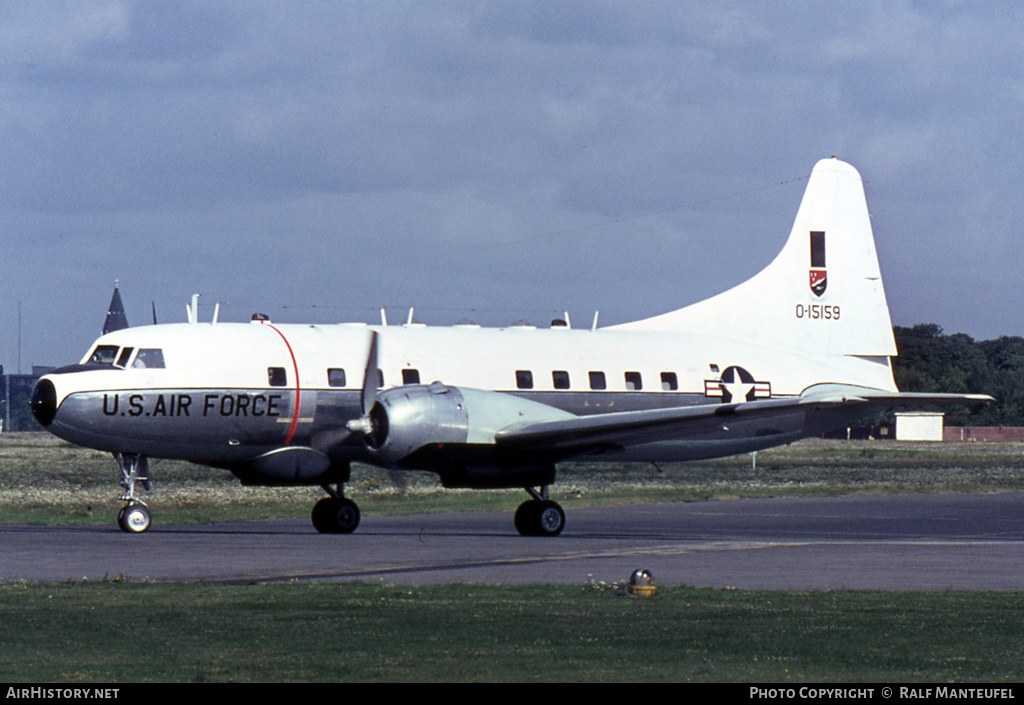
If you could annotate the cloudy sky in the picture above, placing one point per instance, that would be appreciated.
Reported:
(494, 161)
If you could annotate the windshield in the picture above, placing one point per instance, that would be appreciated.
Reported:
(149, 357)
(114, 355)
(104, 354)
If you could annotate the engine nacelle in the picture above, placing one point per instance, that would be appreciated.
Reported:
(290, 466)
(413, 418)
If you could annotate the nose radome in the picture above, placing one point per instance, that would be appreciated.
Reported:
(44, 402)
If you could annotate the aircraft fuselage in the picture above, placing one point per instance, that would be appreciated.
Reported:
(228, 392)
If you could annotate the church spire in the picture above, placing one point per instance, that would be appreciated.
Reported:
(116, 318)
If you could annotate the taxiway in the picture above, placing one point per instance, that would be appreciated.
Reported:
(893, 542)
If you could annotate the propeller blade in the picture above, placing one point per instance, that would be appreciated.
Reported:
(371, 377)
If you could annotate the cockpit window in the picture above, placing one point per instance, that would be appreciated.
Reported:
(116, 356)
(149, 358)
(104, 354)
(124, 357)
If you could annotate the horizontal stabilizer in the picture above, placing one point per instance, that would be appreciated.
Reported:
(841, 393)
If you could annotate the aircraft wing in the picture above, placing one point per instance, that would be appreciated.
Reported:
(819, 409)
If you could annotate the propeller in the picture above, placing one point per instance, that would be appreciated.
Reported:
(364, 424)
(372, 423)
(371, 377)
(369, 423)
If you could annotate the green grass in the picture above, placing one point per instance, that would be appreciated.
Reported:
(46, 481)
(117, 632)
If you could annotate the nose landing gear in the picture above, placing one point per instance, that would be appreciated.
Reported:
(134, 517)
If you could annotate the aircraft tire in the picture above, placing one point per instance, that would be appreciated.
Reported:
(539, 518)
(335, 515)
(134, 518)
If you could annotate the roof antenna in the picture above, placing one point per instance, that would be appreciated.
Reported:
(193, 310)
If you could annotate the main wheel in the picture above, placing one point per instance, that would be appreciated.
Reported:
(134, 518)
(335, 515)
(540, 518)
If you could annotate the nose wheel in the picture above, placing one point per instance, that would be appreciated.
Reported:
(134, 517)
(539, 516)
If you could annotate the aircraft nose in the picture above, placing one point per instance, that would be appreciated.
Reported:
(44, 402)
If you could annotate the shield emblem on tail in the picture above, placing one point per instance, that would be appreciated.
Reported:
(819, 281)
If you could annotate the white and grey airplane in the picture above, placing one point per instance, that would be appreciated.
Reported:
(801, 348)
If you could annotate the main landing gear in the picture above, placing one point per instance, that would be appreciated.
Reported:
(539, 516)
(336, 514)
(134, 517)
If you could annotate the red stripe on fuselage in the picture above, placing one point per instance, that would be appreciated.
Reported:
(298, 391)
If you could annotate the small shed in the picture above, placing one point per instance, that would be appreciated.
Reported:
(919, 426)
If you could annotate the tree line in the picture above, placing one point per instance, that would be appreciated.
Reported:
(931, 361)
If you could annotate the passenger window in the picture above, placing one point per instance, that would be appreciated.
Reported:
(149, 358)
(634, 382)
(124, 357)
(560, 379)
(669, 383)
(104, 354)
(277, 376)
(597, 381)
(410, 376)
(524, 379)
(335, 377)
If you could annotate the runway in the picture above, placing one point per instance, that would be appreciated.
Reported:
(895, 542)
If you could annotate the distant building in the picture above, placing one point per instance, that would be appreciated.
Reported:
(16, 390)
(919, 426)
(15, 395)
(991, 434)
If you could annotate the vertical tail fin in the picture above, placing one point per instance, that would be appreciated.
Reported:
(822, 294)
